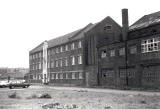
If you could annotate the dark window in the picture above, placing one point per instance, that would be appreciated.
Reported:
(108, 27)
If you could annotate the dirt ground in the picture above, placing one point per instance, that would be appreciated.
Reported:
(79, 98)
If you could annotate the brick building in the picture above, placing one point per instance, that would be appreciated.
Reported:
(132, 60)
(103, 54)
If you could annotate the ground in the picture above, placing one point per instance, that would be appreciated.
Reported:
(83, 98)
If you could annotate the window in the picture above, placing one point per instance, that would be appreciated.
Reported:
(80, 75)
(108, 27)
(150, 45)
(61, 49)
(33, 56)
(107, 73)
(65, 62)
(133, 49)
(67, 76)
(73, 76)
(60, 61)
(48, 64)
(39, 54)
(61, 75)
(56, 75)
(48, 52)
(103, 54)
(72, 60)
(52, 64)
(66, 47)
(72, 46)
(53, 76)
(79, 44)
(52, 51)
(56, 62)
(31, 76)
(39, 65)
(112, 53)
(80, 59)
(57, 50)
(122, 51)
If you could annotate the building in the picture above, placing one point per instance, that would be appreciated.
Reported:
(13, 73)
(133, 60)
(103, 54)
(60, 60)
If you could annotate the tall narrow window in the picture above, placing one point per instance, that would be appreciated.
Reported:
(79, 59)
(60, 62)
(56, 62)
(72, 60)
(65, 61)
(61, 49)
(52, 64)
(57, 50)
(73, 75)
(39, 65)
(79, 44)
(66, 47)
(72, 46)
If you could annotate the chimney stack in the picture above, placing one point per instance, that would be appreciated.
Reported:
(125, 24)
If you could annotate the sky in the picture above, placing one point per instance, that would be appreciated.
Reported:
(24, 24)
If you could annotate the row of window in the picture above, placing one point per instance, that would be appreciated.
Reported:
(68, 75)
(147, 45)
(64, 61)
(65, 48)
(58, 50)
(122, 73)
(58, 62)
(121, 52)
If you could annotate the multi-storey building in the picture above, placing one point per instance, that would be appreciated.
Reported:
(63, 60)
(102, 54)
(133, 60)
(60, 60)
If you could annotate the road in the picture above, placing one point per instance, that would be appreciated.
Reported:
(84, 98)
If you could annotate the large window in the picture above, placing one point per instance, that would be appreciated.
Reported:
(150, 45)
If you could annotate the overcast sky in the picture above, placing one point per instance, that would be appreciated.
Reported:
(26, 23)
